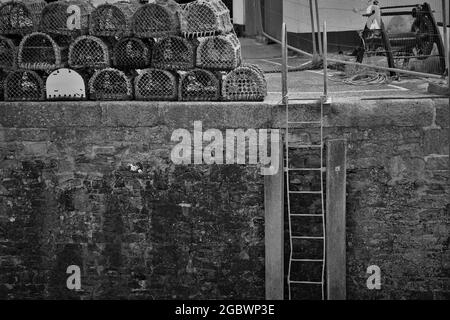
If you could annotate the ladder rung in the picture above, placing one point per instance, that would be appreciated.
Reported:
(305, 122)
(304, 282)
(307, 260)
(307, 238)
(306, 146)
(306, 215)
(305, 192)
(305, 169)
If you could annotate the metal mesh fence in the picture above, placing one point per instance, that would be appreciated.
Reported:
(24, 86)
(113, 19)
(60, 17)
(20, 17)
(174, 53)
(202, 18)
(89, 52)
(110, 84)
(221, 52)
(199, 85)
(133, 53)
(157, 19)
(39, 51)
(156, 84)
(8, 53)
(245, 83)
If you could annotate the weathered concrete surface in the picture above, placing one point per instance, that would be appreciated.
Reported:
(68, 196)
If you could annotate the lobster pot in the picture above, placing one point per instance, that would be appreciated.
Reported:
(20, 18)
(89, 52)
(158, 19)
(8, 53)
(24, 85)
(132, 53)
(221, 52)
(65, 84)
(199, 85)
(110, 84)
(203, 18)
(155, 84)
(113, 19)
(174, 53)
(66, 17)
(245, 83)
(38, 51)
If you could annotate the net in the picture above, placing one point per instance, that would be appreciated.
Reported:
(245, 83)
(158, 19)
(174, 53)
(205, 18)
(132, 53)
(221, 52)
(66, 17)
(113, 19)
(8, 53)
(24, 86)
(110, 84)
(39, 51)
(199, 85)
(20, 18)
(155, 84)
(89, 52)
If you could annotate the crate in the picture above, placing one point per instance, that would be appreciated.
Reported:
(133, 53)
(8, 54)
(57, 17)
(89, 52)
(39, 51)
(221, 52)
(65, 84)
(203, 18)
(113, 19)
(158, 19)
(156, 85)
(20, 18)
(199, 85)
(110, 84)
(24, 85)
(245, 83)
(174, 53)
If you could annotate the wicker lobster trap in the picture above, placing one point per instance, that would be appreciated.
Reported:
(132, 53)
(113, 19)
(8, 53)
(245, 83)
(110, 84)
(89, 52)
(19, 17)
(158, 19)
(221, 52)
(24, 85)
(174, 53)
(65, 84)
(39, 51)
(156, 84)
(199, 85)
(69, 18)
(203, 18)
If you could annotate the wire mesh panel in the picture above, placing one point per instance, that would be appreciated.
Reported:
(245, 83)
(20, 18)
(110, 84)
(113, 19)
(66, 17)
(89, 52)
(199, 85)
(174, 53)
(156, 84)
(221, 52)
(8, 53)
(132, 53)
(157, 19)
(204, 18)
(39, 51)
(24, 86)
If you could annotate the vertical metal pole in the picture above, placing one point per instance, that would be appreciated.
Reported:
(325, 61)
(318, 28)
(284, 68)
(313, 28)
(444, 22)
